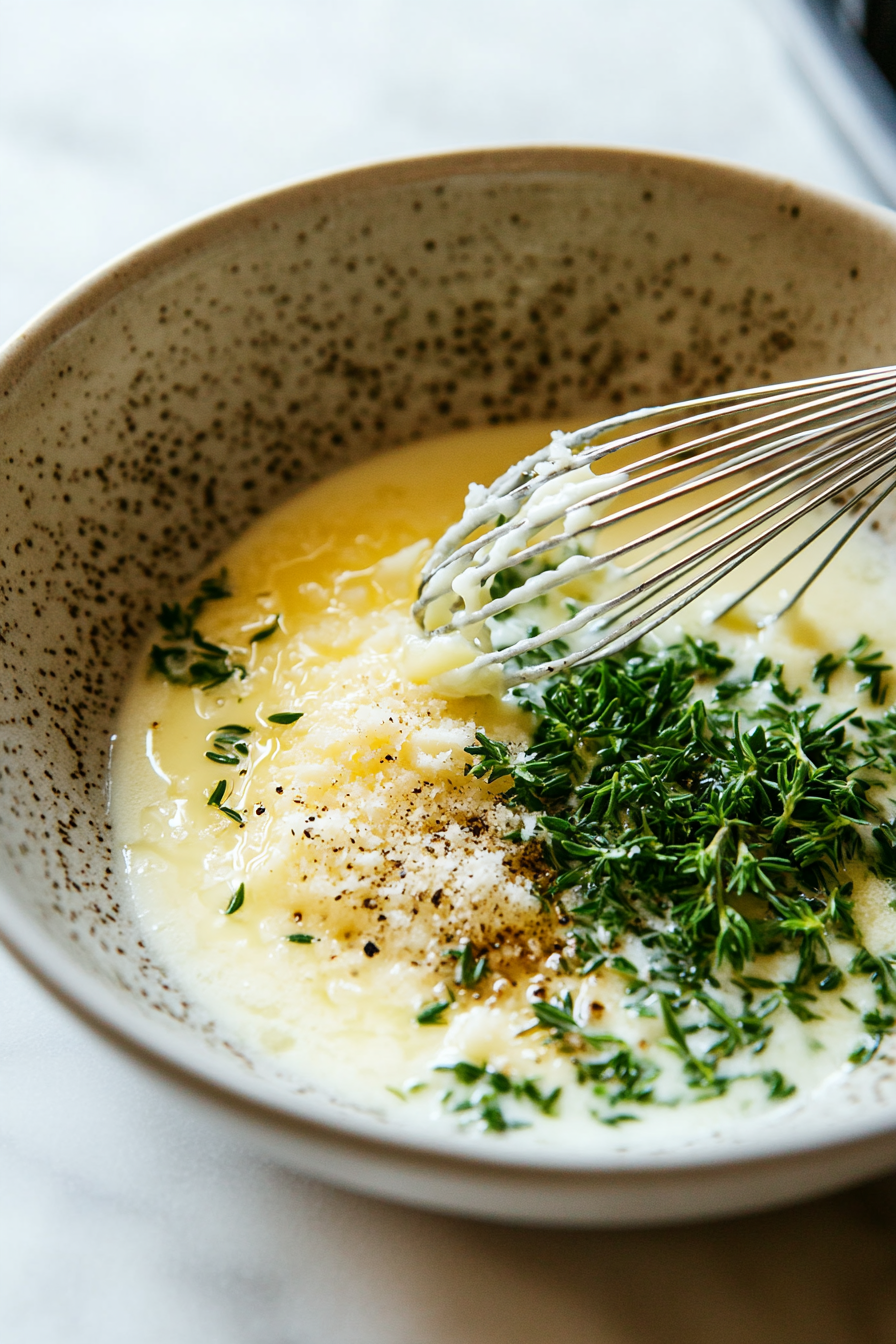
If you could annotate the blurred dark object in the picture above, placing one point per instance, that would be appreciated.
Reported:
(846, 51)
(855, 27)
(877, 30)
(874, 23)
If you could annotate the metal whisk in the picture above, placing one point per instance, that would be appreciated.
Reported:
(736, 470)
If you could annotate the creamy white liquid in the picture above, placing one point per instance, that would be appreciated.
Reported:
(362, 831)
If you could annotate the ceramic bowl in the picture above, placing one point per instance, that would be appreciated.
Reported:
(156, 411)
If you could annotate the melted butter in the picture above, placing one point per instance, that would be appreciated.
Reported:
(363, 831)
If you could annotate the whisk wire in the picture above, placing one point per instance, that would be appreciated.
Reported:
(821, 408)
(715, 511)
(799, 446)
(687, 592)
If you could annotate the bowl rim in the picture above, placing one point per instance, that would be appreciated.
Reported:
(154, 1042)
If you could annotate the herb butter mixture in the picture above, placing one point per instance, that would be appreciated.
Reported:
(661, 879)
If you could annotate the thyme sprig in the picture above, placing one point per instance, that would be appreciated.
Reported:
(230, 744)
(860, 658)
(711, 838)
(486, 1089)
(187, 658)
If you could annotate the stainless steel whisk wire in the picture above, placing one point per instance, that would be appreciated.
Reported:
(835, 434)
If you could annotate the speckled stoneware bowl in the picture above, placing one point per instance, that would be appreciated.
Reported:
(155, 412)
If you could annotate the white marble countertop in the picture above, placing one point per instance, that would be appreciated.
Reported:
(124, 1218)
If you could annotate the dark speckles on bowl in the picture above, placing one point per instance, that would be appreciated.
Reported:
(150, 416)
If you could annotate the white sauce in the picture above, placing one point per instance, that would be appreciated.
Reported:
(363, 832)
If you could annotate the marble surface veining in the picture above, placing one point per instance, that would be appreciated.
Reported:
(124, 1214)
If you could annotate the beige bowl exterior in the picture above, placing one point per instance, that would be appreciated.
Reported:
(156, 411)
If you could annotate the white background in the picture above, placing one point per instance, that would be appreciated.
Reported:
(125, 1219)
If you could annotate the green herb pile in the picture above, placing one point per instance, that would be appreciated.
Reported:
(705, 836)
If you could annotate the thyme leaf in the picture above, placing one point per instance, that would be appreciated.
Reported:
(236, 900)
(470, 969)
(216, 799)
(266, 631)
(230, 744)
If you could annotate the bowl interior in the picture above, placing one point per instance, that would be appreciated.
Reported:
(149, 418)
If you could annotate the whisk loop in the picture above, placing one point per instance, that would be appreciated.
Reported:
(727, 475)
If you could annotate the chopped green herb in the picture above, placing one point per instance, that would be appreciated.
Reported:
(878, 1025)
(266, 632)
(561, 1022)
(619, 1075)
(300, 938)
(729, 690)
(711, 838)
(870, 669)
(216, 799)
(470, 969)
(545, 1101)
(489, 1088)
(286, 717)
(493, 1118)
(236, 900)
(778, 1087)
(230, 744)
(883, 862)
(882, 971)
(861, 660)
(464, 1071)
(402, 1093)
(432, 1013)
(189, 659)
(824, 669)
